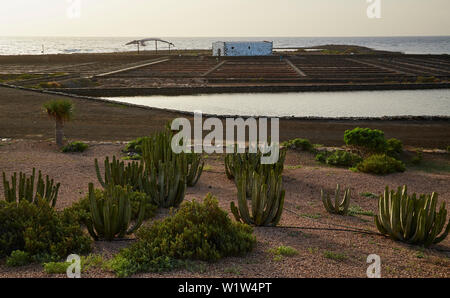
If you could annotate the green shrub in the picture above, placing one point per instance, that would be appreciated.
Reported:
(380, 164)
(134, 148)
(394, 147)
(197, 231)
(417, 159)
(286, 251)
(18, 258)
(342, 159)
(87, 262)
(75, 147)
(40, 231)
(301, 144)
(322, 156)
(49, 85)
(366, 138)
(56, 267)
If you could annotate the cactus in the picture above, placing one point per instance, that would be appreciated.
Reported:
(267, 199)
(166, 183)
(45, 190)
(116, 173)
(194, 168)
(111, 215)
(340, 207)
(167, 173)
(235, 162)
(411, 219)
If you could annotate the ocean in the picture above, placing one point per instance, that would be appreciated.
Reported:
(67, 45)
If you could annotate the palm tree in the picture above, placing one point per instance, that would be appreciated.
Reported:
(61, 111)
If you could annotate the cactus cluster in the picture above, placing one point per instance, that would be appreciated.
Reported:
(166, 183)
(267, 198)
(116, 173)
(165, 178)
(24, 189)
(111, 214)
(234, 163)
(340, 206)
(194, 168)
(412, 219)
(238, 163)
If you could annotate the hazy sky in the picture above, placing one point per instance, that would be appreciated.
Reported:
(223, 18)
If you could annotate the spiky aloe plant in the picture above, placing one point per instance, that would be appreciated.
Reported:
(117, 173)
(340, 206)
(46, 190)
(267, 199)
(411, 219)
(111, 214)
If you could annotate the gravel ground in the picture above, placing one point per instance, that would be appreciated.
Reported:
(303, 226)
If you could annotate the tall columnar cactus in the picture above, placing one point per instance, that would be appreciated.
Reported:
(267, 199)
(340, 206)
(165, 183)
(411, 219)
(158, 148)
(111, 214)
(166, 173)
(116, 173)
(45, 190)
(194, 168)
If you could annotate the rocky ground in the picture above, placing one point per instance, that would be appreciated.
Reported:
(305, 225)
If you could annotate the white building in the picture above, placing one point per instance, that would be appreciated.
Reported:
(242, 48)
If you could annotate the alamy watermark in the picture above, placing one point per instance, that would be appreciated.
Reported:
(374, 9)
(374, 270)
(213, 142)
(74, 269)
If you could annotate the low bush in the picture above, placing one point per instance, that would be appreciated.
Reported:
(75, 147)
(134, 148)
(18, 258)
(394, 147)
(343, 159)
(380, 164)
(197, 231)
(300, 144)
(39, 231)
(86, 262)
(365, 138)
(286, 251)
(48, 85)
(417, 159)
(338, 158)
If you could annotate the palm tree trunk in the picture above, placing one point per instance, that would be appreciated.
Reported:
(59, 132)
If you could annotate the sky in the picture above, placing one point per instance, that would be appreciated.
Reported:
(214, 18)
